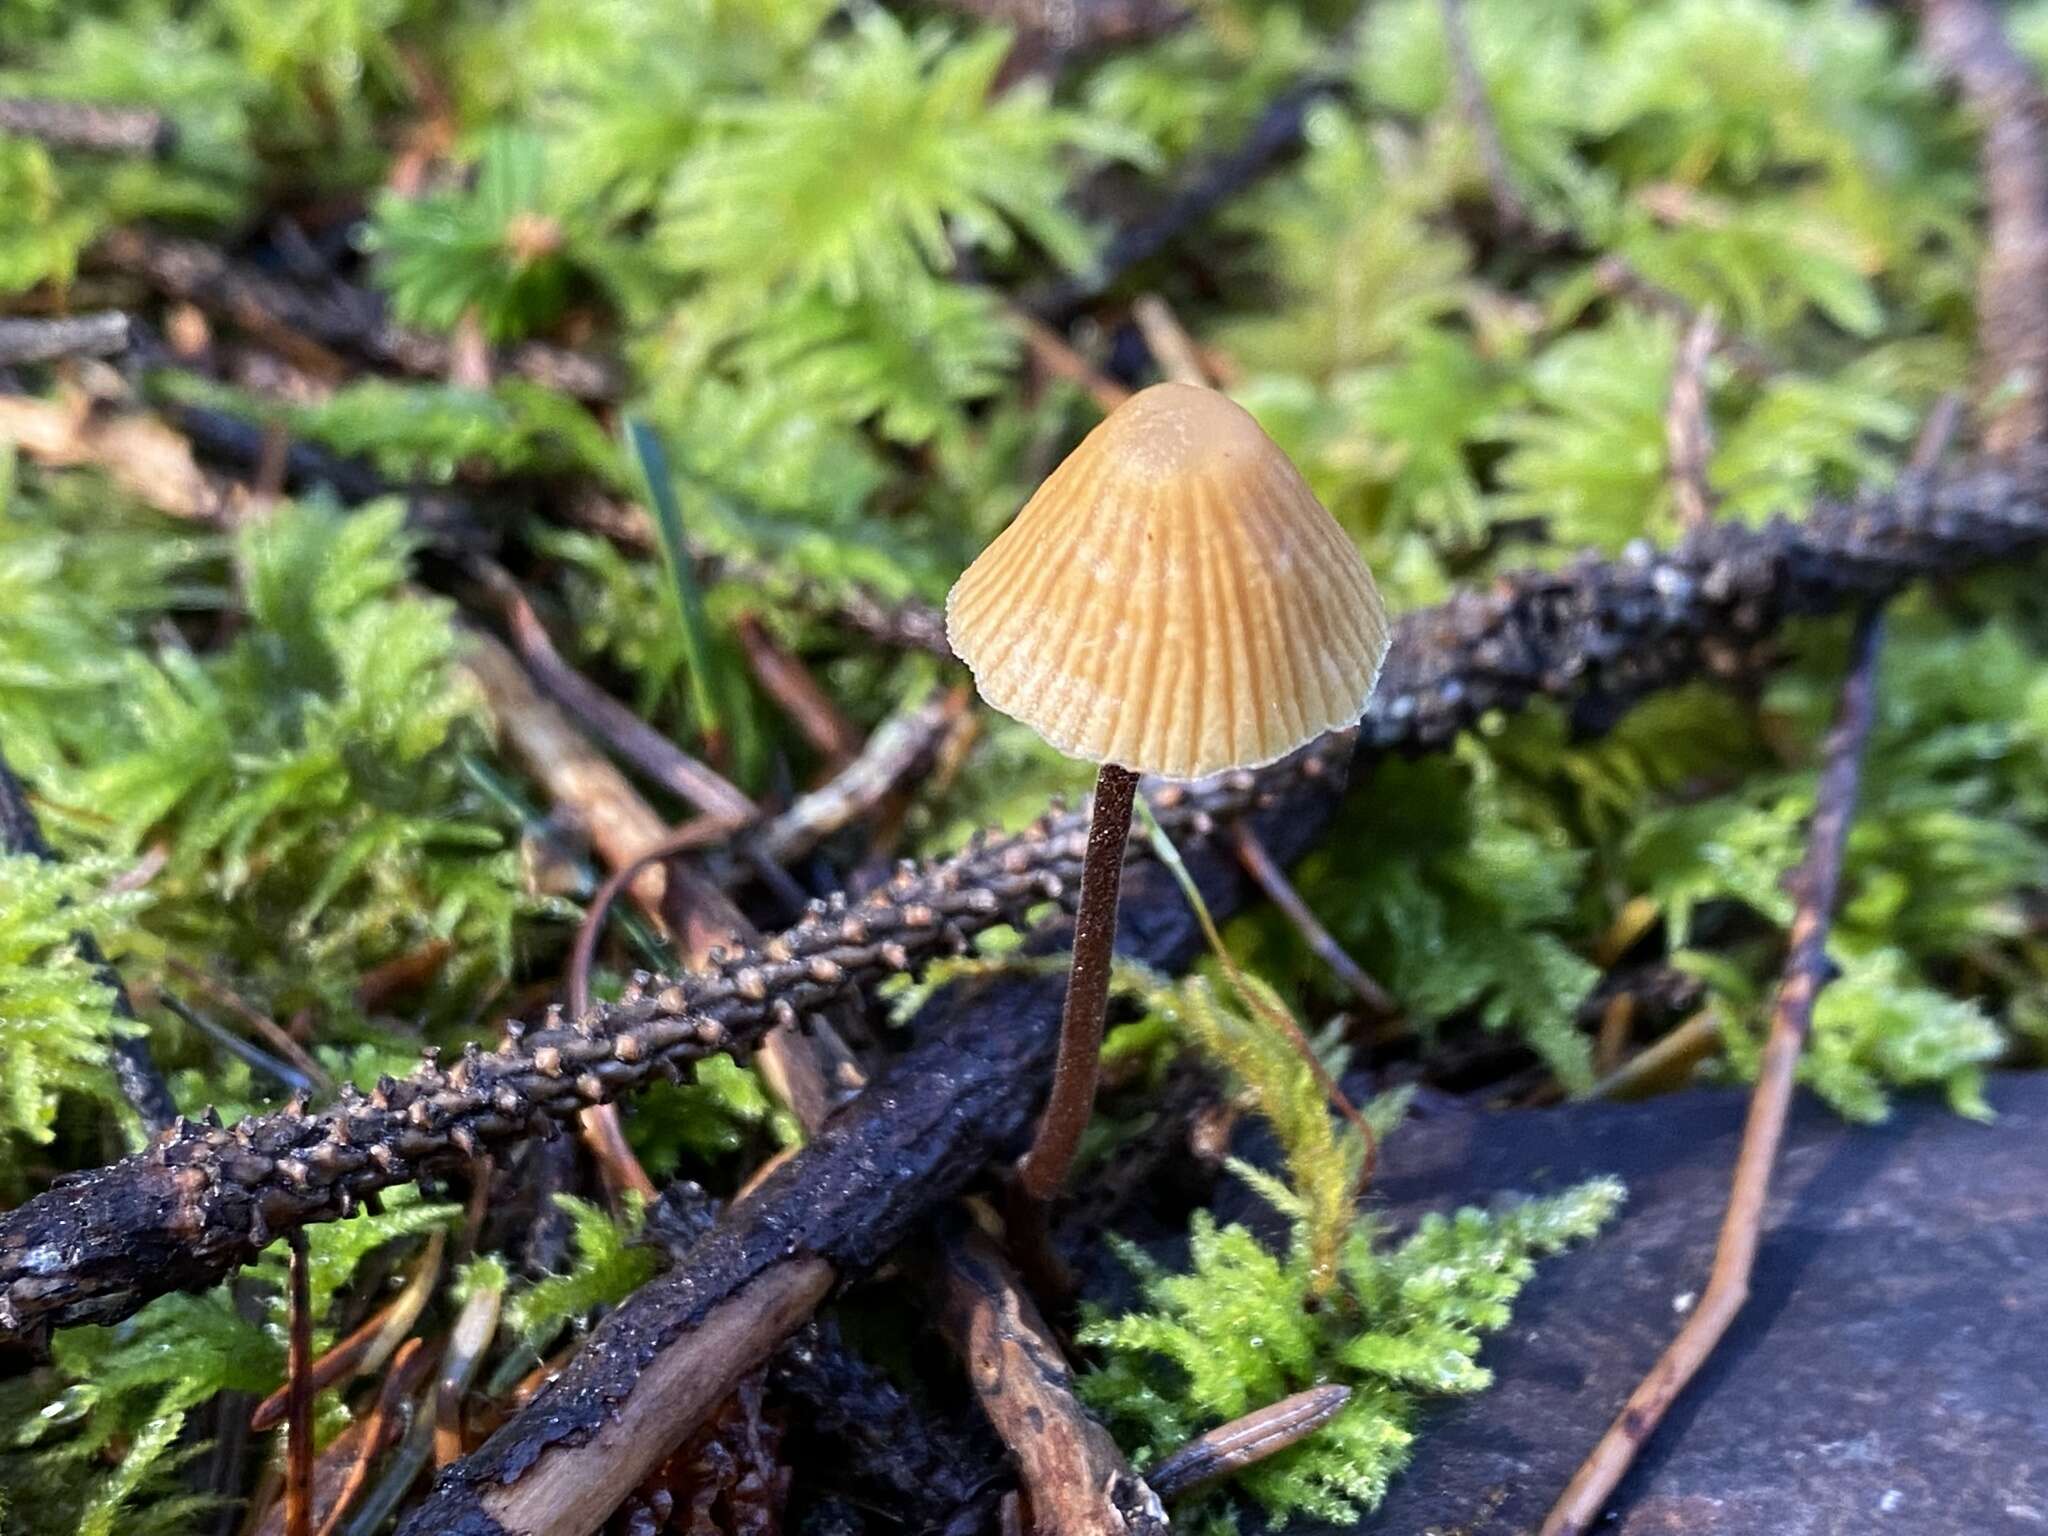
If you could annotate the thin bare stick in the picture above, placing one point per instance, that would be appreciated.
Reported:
(1172, 348)
(1688, 429)
(1228, 1449)
(636, 742)
(375, 1432)
(1617, 1018)
(1806, 972)
(1508, 205)
(787, 681)
(87, 125)
(467, 1341)
(1665, 1064)
(1279, 1019)
(1279, 890)
(569, 1491)
(298, 1467)
(134, 1068)
(899, 749)
(1966, 40)
(1074, 1478)
(1054, 356)
(47, 340)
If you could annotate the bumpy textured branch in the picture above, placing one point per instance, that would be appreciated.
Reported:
(1596, 635)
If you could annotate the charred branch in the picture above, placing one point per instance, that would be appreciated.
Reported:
(1074, 1478)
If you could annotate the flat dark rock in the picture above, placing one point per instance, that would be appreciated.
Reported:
(1890, 1373)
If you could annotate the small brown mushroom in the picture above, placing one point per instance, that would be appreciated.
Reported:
(1173, 601)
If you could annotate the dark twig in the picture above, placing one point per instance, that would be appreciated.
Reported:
(87, 125)
(1228, 1449)
(135, 1070)
(1275, 136)
(1807, 970)
(1966, 40)
(1508, 205)
(267, 1028)
(242, 1050)
(45, 341)
(1688, 429)
(1594, 636)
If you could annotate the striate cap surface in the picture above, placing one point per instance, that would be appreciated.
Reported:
(1173, 599)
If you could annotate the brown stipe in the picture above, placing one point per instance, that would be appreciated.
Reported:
(298, 1465)
(1043, 1169)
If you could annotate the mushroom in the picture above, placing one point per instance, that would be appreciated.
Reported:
(1173, 601)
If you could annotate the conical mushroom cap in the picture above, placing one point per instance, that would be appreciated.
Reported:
(1173, 599)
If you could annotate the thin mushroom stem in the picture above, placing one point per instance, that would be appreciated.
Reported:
(1043, 1169)
(298, 1466)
